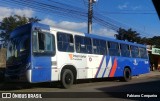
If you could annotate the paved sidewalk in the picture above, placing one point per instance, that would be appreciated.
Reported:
(151, 74)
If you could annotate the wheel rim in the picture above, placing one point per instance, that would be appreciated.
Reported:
(68, 78)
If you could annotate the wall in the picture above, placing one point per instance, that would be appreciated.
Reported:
(3, 57)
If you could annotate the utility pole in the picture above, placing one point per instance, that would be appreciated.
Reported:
(90, 11)
(90, 14)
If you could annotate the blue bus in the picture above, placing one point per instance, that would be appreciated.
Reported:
(41, 53)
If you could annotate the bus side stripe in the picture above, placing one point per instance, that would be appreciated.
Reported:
(113, 70)
(100, 65)
(109, 67)
(104, 72)
(108, 61)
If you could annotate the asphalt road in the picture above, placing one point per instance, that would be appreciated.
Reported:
(97, 90)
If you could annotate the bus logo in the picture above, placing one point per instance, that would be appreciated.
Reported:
(71, 56)
(76, 57)
(90, 59)
(135, 62)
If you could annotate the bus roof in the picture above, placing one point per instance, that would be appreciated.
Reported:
(24, 28)
(20, 30)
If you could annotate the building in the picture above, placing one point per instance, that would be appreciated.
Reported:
(154, 56)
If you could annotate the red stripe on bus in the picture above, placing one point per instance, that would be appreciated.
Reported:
(114, 67)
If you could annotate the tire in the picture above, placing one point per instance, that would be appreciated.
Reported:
(126, 75)
(67, 78)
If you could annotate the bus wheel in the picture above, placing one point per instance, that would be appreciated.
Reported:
(126, 75)
(67, 78)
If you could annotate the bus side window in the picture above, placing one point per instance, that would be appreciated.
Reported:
(103, 48)
(69, 43)
(134, 51)
(49, 42)
(35, 41)
(143, 53)
(88, 45)
(83, 44)
(125, 50)
(65, 42)
(41, 39)
(78, 43)
(99, 47)
(113, 48)
(43, 43)
(95, 46)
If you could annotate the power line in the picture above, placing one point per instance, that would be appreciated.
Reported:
(85, 4)
(67, 10)
(113, 24)
(128, 13)
(40, 7)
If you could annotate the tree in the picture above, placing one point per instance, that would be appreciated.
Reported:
(155, 41)
(129, 35)
(13, 21)
(121, 34)
(133, 36)
(10, 23)
(35, 19)
(146, 41)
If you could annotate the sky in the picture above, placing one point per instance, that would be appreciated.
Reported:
(139, 15)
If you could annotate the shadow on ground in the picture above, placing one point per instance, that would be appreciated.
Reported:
(9, 86)
(146, 88)
(121, 91)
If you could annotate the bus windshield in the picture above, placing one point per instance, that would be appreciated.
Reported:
(18, 49)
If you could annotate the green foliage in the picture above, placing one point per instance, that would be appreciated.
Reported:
(129, 35)
(133, 36)
(156, 41)
(35, 19)
(13, 21)
(10, 23)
